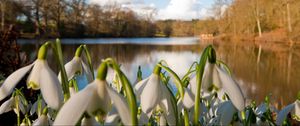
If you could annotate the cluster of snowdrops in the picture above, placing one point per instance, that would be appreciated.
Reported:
(206, 95)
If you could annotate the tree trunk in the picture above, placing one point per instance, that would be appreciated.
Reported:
(258, 26)
(37, 18)
(288, 16)
(2, 14)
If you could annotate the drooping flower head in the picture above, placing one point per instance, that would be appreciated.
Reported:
(77, 65)
(216, 76)
(41, 77)
(95, 99)
(153, 93)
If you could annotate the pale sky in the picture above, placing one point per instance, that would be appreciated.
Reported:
(166, 9)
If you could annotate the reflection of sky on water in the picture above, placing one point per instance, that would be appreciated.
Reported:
(156, 41)
(180, 62)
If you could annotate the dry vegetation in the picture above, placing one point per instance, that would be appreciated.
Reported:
(263, 20)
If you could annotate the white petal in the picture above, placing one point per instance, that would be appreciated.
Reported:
(88, 72)
(162, 121)
(232, 89)
(89, 122)
(23, 124)
(101, 101)
(139, 87)
(7, 105)
(151, 94)
(41, 121)
(121, 106)
(202, 110)
(188, 99)
(34, 107)
(33, 80)
(193, 85)
(283, 113)
(72, 110)
(207, 77)
(221, 95)
(297, 108)
(51, 88)
(112, 118)
(167, 105)
(216, 79)
(226, 111)
(12, 80)
(72, 68)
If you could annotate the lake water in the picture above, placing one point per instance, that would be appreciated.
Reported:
(260, 69)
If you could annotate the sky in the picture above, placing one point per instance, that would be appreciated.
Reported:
(166, 9)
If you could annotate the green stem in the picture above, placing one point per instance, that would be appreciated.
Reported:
(130, 97)
(79, 51)
(173, 99)
(177, 80)
(199, 74)
(17, 100)
(59, 57)
(179, 86)
(18, 120)
(89, 59)
(102, 71)
(157, 70)
(186, 118)
(42, 54)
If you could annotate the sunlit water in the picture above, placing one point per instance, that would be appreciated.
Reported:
(275, 71)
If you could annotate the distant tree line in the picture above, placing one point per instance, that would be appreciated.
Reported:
(74, 18)
(77, 18)
(254, 18)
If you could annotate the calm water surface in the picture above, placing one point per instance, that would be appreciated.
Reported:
(260, 69)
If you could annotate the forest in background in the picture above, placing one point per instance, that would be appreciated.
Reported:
(272, 20)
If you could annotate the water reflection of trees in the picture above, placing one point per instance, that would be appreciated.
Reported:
(276, 72)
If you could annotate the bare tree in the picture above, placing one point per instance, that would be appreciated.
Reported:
(2, 2)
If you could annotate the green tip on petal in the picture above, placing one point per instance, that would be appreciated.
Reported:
(79, 51)
(156, 69)
(102, 71)
(212, 55)
(32, 85)
(43, 51)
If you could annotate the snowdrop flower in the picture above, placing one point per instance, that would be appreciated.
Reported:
(15, 103)
(224, 113)
(215, 76)
(7, 105)
(96, 98)
(37, 107)
(262, 108)
(76, 65)
(42, 120)
(40, 77)
(153, 93)
(294, 108)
